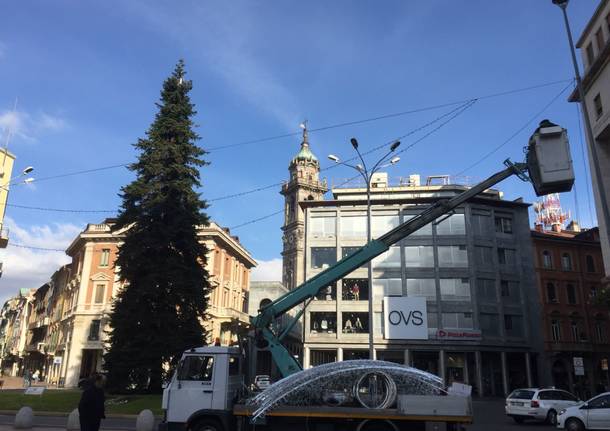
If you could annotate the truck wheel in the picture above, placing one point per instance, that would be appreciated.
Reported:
(574, 425)
(207, 425)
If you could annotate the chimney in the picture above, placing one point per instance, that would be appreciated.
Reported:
(574, 226)
(556, 227)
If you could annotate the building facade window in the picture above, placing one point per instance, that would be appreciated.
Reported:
(389, 259)
(387, 287)
(547, 260)
(322, 226)
(551, 293)
(599, 38)
(590, 54)
(483, 256)
(575, 331)
(329, 293)
(355, 289)
(423, 231)
(105, 257)
(566, 262)
(452, 256)
(452, 225)
(100, 289)
(486, 290)
(504, 225)
(419, 257)
(489, 324)
(455, 289)
(597, 105)
(571, 291)
(555, 330)
(509, 290)
(457, 320)
(94, 330)
(513, 325)
(355, 323)
(600, 332)
(590, 263)
(381, 224)
(322, 323)
(506, 256)
(353, 227)
(323, 257)
(425, 287)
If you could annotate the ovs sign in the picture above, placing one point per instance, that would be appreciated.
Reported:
(405, 318)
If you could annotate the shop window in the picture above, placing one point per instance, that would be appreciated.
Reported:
(551, 293)
(353, 354)
(347, 251)
(590, 263)
(355, 289)
(355, 323)
(425, 287)
(387, 287)
(504, 225)
(452, 256)
(396, 356)
(455, 289)
(323, 257)
(322, 227)
(571, 291)
(419, 257)
(547, 260)
(452, 225)
(328, 293)
(566, 262)
(320, 356)
(389, 259)
(323, 323)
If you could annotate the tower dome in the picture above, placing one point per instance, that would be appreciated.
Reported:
(305, 154)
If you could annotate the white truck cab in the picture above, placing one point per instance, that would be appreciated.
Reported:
(202, 391)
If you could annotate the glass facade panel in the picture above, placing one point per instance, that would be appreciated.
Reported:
(513, 325)
(432, 320)
(452, 256)
(353, 227)
(389, 259)
(453, 225)
(387, 287)
(355, 322)
(455, 289)
(383, 223)
(483, 256)
(422, 287)
(424, 231)
(490, 325)
(322, 226)
(486, 290)
(457, 320)
(509, 290)
(419, 257)
(323, 257)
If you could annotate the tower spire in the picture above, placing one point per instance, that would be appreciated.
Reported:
(303, 126)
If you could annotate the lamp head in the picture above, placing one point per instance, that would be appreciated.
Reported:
(354, 143)
(27, 170)
(359, 167)
(561, 3)
(395, 160)
(28, 180)
(333, 158)
(395, 145)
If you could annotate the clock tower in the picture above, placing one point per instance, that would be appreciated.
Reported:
(304, 184)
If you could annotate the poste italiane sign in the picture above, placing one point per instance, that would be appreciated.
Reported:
(405, 318)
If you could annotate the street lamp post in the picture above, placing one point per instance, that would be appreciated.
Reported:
(367, 175)
(563, 4)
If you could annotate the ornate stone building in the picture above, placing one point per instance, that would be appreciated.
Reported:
(304, 184)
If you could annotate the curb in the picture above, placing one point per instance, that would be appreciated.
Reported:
(65, 414)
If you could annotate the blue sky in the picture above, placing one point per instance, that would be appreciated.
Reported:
(86, 75)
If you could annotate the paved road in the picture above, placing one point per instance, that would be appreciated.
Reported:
(488, 416)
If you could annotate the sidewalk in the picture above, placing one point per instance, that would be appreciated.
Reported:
(16, 383)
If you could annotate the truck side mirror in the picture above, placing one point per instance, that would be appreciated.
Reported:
(549, 161)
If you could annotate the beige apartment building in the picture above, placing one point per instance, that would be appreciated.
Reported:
(594, 44)
(59, 329)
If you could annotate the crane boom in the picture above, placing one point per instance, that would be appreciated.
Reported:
(285, 362)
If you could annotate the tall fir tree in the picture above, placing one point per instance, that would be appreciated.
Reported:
(157, 315)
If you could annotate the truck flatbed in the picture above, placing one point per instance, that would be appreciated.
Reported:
(325, 412)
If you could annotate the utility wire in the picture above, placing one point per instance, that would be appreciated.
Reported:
(516, 133)
(29, 247)
(62, 210)
(584, 162)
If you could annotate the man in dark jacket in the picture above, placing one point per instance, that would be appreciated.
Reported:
(91, 405)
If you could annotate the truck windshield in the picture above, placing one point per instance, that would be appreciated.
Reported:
(196, 368)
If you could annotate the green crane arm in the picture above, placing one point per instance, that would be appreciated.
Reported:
(285, 362)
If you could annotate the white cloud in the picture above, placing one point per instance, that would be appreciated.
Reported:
(27, 127)
(26, 268)
(268, 270)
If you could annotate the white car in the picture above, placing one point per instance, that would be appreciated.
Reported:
(538, 404)
(262, 382)
(591, 415)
